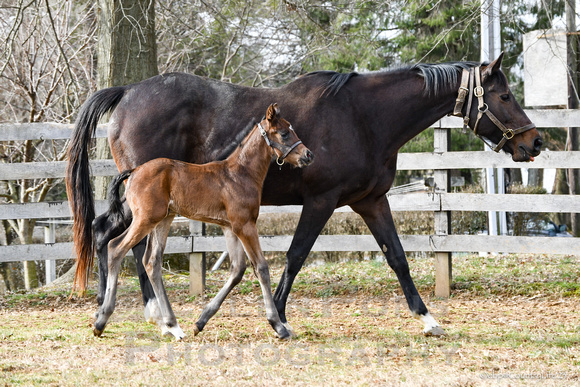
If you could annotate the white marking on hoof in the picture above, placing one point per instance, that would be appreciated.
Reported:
(432, 327)
(289, 329)
(153, 313)
(435, 331)
(173, 331)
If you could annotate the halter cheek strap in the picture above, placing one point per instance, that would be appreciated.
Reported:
(285, 150)
(471, 81)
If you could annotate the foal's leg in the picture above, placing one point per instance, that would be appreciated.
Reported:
(376, 213)
(117, 249)
(237, 269)
(152, 261)
(104, 230)
(248, 235)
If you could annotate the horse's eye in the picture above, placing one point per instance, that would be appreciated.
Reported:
(285, 135)
(505, 97)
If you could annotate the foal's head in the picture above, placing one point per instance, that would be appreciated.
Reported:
(283, 140)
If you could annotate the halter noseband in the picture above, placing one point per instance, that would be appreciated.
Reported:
(471, 81)
(284, 149)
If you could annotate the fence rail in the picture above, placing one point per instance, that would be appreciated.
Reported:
(438, 201)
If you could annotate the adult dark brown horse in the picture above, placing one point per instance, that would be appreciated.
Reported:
(226, 193)
(354, 123)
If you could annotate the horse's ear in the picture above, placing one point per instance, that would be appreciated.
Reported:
(492, 67)
(272, 112)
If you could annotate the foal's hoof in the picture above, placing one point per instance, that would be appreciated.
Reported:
(435, 331)
(173, 331)
(195, 330)
(97, 332)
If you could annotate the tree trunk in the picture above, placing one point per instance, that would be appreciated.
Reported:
(535, 177)
(561, 188)
(30, 272)
(126, 53)
(515, 176)
(573, 103)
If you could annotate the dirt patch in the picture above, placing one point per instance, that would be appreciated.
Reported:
(352, 336)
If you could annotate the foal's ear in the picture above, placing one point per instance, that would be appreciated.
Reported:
(492, 67)
(272, 112)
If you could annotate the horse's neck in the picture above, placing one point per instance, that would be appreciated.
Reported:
(414, 109)
(252, 157)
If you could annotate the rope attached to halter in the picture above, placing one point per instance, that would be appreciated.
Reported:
(284, 149)
(470, 86)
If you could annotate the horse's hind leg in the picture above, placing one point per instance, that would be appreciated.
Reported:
(117, 249)
(315, 213)
(106, 229)
(152, 261)
(248, 235)
(237, 269)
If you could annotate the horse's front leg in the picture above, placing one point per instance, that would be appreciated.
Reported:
(248, 235)
(237, 269)
(377, 215)
(315, 214)
(152, 261)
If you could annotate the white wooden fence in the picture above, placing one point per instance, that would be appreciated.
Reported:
(439, 201)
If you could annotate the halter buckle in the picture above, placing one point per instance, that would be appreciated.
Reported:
(478, 91)
(483, 108)
(509, 134)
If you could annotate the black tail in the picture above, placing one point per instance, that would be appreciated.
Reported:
(114, 197)
(78, 183)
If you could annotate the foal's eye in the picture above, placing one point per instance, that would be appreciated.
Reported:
(505, 97)
(285, 135)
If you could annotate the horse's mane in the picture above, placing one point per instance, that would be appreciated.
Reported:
(336, 82)
(437, 77)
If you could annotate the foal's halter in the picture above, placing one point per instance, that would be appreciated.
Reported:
(284, 149)
(466, 88)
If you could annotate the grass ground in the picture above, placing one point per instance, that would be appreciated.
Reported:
(512, 320)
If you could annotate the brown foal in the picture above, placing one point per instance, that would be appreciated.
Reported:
(227, 193)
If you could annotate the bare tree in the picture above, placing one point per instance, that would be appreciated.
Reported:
(45, 71)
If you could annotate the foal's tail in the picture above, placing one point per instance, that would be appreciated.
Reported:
(114, 196)
(78, 184)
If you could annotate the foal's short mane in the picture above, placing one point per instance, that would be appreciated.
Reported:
(236, 142)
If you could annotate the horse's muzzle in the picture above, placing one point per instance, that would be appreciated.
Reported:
(306, 158)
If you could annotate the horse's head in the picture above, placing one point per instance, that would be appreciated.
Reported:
(283, 139)
(496, 115)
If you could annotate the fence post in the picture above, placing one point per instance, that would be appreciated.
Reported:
(196, 262)
(49, 265)
(442, 219)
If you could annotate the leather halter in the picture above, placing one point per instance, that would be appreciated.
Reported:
(284, 149)
(470, 86)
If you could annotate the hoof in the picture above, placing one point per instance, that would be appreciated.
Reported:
(173, 331)
(289, 329)
(435, 331)
(283, 334)
(195, 330)
(97, 332)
